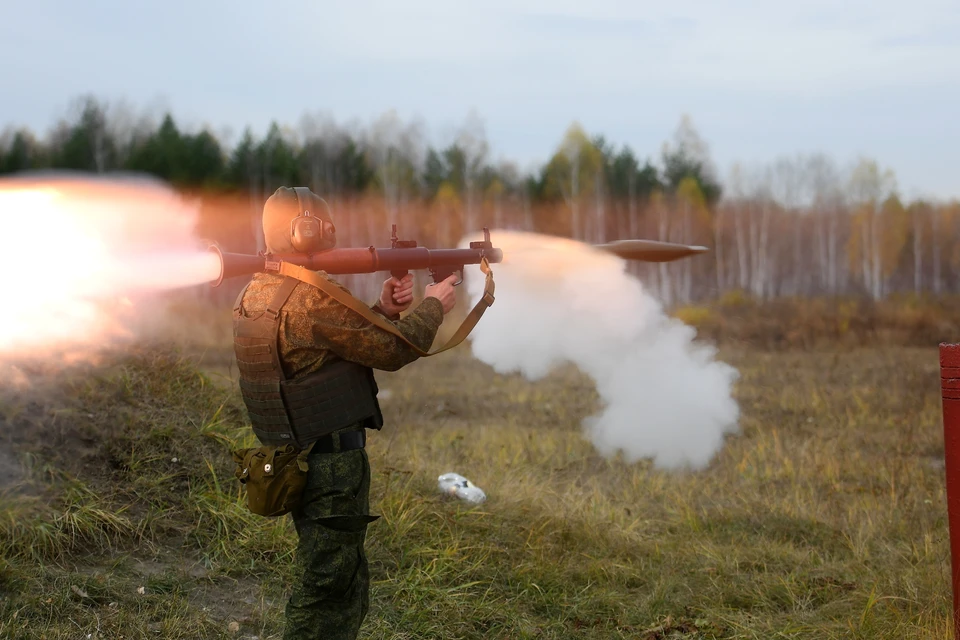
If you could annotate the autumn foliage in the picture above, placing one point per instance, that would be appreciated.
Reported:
(796, 226)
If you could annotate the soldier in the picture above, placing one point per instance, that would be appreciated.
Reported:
(325, 355)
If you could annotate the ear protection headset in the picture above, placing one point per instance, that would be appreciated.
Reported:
(308, 233)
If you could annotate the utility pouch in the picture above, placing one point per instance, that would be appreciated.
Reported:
(274, 477)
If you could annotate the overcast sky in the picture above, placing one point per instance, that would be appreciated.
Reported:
(760, 79)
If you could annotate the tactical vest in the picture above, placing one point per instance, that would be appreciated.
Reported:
(301, 410)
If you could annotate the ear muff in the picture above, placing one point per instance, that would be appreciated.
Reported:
(308, 233)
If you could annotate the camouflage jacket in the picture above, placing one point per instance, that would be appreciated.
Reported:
(315, 328)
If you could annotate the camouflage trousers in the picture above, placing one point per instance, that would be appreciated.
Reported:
(331, 594)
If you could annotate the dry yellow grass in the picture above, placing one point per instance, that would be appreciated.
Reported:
(824, 518)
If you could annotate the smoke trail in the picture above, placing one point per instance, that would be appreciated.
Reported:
(83, 257)
(561, 301)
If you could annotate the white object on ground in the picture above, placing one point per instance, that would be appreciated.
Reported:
(456, 485)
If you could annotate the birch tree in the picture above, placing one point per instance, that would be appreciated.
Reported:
(472, 143)
(827, 204)
(935, 257)
(761, 260)
(693, 218)
(395, 150)
(85, 143)
(788, 184)
(738, 205)
(572, 173)
(920, 212)
(870, 186)
(322, 143)
(665, 281)
(687, 155)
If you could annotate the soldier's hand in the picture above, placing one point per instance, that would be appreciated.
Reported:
(397, 295)
(444, 292)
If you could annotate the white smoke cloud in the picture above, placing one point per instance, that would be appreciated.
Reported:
(558, 301)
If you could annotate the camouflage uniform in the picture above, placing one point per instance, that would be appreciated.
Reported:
(331, 596)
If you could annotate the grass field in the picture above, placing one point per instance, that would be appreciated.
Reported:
(824, 518)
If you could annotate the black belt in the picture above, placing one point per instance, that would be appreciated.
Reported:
(344, 441)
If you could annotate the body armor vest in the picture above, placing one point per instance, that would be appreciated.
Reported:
(301, 410)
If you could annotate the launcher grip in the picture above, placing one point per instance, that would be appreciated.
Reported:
(442, 273)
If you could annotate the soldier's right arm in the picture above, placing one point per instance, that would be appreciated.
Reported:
(338, 329)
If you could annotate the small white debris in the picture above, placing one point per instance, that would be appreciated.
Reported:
(174, 460)
(233, 627)
(456, 485)
(141, 590)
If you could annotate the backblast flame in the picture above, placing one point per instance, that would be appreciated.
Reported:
(80, 252)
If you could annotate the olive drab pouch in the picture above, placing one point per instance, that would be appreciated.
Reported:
(274, 477)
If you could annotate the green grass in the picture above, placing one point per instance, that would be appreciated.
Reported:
(824, 518)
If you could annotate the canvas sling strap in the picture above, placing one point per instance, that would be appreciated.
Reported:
(315, 279)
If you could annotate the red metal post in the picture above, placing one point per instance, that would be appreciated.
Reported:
(950, 394)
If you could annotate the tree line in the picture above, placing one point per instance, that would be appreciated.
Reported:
(796, 226)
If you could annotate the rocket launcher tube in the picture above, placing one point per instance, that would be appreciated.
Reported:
(355, 260)
(405, 255)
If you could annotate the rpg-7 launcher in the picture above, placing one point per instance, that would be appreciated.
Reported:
(404, 255)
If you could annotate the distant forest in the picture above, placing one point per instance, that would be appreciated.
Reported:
(798, 226)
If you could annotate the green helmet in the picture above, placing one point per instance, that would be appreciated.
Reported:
(296, 220)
